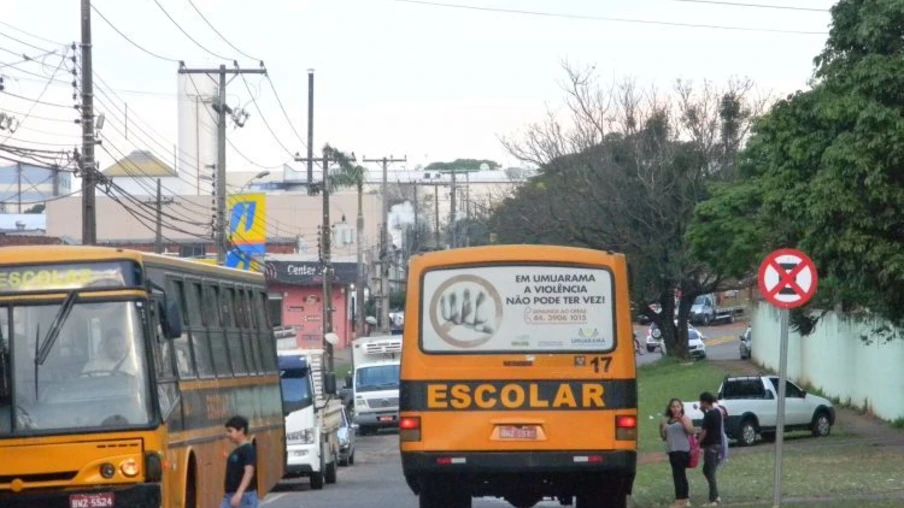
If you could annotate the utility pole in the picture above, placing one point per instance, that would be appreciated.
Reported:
(89, 208)
(467, 209)
(452, 213)
(222, 110)
(19, 191)
(416, 224)
(325, 256)
(159, 202)
(436, 214)
(384, 246)
(359, 246)
(311, 133)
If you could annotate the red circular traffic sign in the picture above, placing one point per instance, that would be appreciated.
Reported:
(787, 278)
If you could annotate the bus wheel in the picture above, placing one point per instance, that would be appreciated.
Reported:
(191, 491)
(523, 501)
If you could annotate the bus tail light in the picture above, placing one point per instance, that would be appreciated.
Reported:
(626, 428)
(410, 428)
(153, 467)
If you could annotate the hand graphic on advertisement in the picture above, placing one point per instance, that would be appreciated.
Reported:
(463, 311)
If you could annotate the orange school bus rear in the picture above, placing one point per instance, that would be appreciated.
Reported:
(518, 377)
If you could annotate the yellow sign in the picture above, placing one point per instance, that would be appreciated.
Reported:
(515, 395)
(247, 218)
(68, 276)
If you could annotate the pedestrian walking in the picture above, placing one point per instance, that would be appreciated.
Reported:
(241, 482)
(711, 442)
(676, 429)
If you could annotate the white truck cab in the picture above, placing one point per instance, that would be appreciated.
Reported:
(375, 383)
(313, 417)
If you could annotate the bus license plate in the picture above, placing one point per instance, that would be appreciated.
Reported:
(101, 500)
(515, 432)
(385, 418)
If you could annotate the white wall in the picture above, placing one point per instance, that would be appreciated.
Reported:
(835, 360)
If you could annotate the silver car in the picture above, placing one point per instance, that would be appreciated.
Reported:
(745, 344)
(347, 432)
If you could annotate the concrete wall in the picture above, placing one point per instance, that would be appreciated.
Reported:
(835, 360)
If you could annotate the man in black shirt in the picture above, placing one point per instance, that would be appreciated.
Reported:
(241, 491)
(711, 442)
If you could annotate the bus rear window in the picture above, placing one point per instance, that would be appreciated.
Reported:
(517, 308)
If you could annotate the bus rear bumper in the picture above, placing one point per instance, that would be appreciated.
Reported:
(141, 495)
(416, 463)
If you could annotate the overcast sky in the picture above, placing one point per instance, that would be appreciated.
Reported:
(392, 76)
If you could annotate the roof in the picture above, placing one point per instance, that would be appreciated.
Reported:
(140, 164)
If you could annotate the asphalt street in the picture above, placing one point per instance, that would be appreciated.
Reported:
(376, 481)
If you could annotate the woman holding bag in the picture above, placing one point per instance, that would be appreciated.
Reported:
(676, 430)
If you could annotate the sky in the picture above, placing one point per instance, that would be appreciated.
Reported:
(392, 77)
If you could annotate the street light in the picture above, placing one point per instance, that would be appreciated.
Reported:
(253, 178)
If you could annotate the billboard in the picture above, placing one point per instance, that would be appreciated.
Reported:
(246, 233)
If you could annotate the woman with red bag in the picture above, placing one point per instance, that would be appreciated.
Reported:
(676, 430)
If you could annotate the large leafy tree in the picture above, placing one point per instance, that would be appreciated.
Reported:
(824, 171)
(624, 172)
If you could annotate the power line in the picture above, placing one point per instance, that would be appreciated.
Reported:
(756, 6)
(126, 37)
(37, 101)
(264, 118)
(28, 59)
(604, 18)
(11, 27)
(41, 95)
(195, 7)
(186, 33)
(20, 41)
(285, 113)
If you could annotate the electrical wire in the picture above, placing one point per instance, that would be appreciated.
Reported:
(221, 57)
(755, 6)
(586, 17)
(264, 118)
(11, 27)
(129, 39)
(40, 96)
(231, 45)
(285, 113)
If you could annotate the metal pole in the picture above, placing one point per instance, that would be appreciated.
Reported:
(19, 191)
(384, 258)
(359, 241)
(311, 131)
(327, 266)
(158, 241)
(780, 416)
(414, 244)
(436, 214)
(221, 170)
(89, 210)
(452, 213)
(467, 209)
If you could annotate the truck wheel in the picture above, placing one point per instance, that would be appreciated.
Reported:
(330, 476)
(651, 348)
(317, 481)
(821, 426)
(747, 432)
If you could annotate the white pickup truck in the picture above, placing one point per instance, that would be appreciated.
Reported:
(752, 405)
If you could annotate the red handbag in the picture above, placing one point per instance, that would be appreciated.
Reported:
(694, 453)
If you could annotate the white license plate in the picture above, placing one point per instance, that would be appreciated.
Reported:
(385, 418)
(100, 500)
(515, 432)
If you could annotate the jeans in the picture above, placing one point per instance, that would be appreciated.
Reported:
(711, 456)
(249, 500)
(679, 462)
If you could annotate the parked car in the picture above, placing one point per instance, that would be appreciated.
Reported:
(752, 405)
(745, 346)
(654, 336)
(347, 433)
(695, 345)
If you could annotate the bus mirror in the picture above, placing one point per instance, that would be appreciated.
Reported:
(172, 320)
(329, 384)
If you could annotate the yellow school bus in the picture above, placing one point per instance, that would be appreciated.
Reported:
(118, 370)
(518, 377)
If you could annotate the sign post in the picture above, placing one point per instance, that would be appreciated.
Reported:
(787, 279)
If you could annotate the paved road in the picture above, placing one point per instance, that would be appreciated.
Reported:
(376, 481)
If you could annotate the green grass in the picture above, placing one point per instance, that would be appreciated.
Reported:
(825, 472)
(659, 382)
(811, 469)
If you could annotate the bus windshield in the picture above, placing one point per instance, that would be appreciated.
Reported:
(92, 375)
(377, 377)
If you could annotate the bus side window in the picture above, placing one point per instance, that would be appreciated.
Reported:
(267, 342)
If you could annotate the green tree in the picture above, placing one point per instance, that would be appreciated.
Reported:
(462, 165)
(824, 171)
(626, 176)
